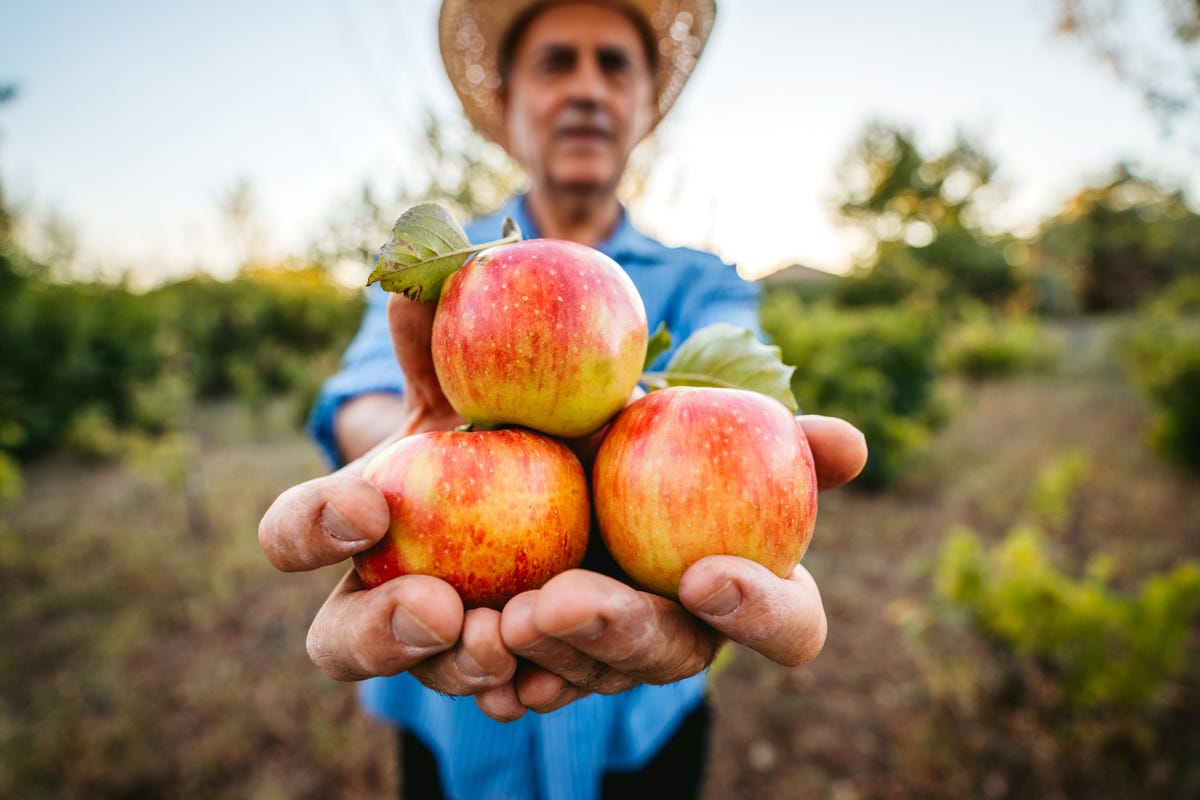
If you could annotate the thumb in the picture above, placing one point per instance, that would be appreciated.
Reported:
(411, 325)
(781, 618)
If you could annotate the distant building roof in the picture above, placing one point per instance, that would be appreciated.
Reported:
(796, 273)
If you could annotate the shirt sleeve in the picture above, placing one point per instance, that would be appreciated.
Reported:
(369, 365)
(714, 292)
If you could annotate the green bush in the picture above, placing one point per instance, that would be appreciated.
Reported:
(1039, 680)
(874, 367)
(87, 361)
(1104, 649)
(253, 335)
(982, 344)
(1180, 298)
(1164, 356)
(11, 481)
(71, 349)
(1052, 498)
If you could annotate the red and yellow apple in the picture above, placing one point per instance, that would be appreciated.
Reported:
(546, 334)
(687, 472)
(493, 513)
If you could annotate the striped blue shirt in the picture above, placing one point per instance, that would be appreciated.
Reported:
(565, 753)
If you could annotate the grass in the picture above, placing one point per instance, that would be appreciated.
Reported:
(147, 649)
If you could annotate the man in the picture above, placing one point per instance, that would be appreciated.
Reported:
(616, 675)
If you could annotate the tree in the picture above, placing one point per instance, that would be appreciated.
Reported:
(1121, 241)
(1155, 48)
(924, 219)
(7, 221)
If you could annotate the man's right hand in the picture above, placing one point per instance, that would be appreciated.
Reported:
(415, 623)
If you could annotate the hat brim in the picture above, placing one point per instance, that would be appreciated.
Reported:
(470, 33)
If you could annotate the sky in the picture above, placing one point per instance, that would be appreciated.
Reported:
(134, 119)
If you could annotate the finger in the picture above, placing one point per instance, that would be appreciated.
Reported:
(477, 662)
(839, 449)
(542, 691)
(411, 325)
(781, 618)
(386, 630)
(644, 636)
(501, 703)
(556, 657)
(322, 522)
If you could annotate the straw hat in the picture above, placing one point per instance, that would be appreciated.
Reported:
(471, 31)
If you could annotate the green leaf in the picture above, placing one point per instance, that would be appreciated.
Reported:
(660, 342)
(427, 246)
(726, 356)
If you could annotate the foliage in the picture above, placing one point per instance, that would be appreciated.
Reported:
(1155, 53)
(11, 480)
(1119, 243)
(874, 367)
(254, 335)
(1102, 648)
(96, 359)
(1052, 499)
(1163, 353)
(984, 344)
(75, 349)
(923, 216)
(1181, 298)
(1037, 662)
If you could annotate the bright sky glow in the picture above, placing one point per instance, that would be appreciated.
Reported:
(134, 119)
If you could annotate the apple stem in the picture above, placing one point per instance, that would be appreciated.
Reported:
(661, 380)
(477, 248)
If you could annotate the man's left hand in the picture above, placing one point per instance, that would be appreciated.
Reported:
(584, 632)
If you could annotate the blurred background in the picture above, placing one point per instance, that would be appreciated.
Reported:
(977, 231)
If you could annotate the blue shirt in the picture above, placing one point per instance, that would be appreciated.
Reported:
(562, 754)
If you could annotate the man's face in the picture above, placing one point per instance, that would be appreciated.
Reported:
(579, 96)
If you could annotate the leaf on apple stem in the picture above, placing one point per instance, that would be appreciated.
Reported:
(724, 355)
(427, 246)
(659, 343)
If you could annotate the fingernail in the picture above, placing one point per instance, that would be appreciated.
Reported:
(723, 601)
(468, 665)
(338, 526)
(592, 629)
(411, 631)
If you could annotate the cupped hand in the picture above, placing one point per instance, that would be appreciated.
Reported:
(416, 623)
(583, 632)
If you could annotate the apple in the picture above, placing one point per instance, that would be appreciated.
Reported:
(687, 472)
(493, 513)
(546, 334)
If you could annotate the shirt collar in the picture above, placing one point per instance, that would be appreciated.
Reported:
(625, 243)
